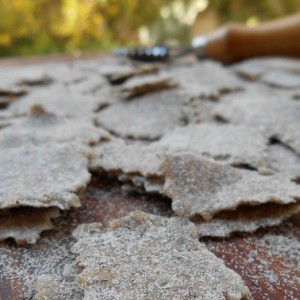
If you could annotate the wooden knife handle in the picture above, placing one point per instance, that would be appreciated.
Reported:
(237, 42)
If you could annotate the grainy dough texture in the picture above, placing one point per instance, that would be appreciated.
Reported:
(141, 171)
(207, 80)
(276, 117)
(203, 188)
(43, 127)
(277, 72)
(146, 84)
(120, 157)
(281, 79)
(119, 74)
(43, 176)
(147, 117)
(237, 145)
(144, 256)
(283, 160)
(65, 100)
(25, 224)
(18, 83)
(247, 219)
(54, 287)
(199, 110)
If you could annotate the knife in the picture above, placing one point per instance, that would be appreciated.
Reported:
(232, 43)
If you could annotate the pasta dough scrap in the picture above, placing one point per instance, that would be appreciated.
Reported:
(146, 84)
(133, 164)
(65, 100)
(144, 255)
(119, 74)
(17, 83)
(276, 117)
(199, 111)
(283, 160)
(279, 72)
(117, 156)
(48, 175)
(281, 79)
(6, 100)
(25, 224)
(148, 117)
(54, 287)
(43, 126)
(237, 145)
(203, 188)
(207, 79)
(247, 219)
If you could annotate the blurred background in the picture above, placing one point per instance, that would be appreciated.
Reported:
(35, 27)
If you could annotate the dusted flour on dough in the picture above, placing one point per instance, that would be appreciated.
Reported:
(25, 224)
(65, 100)
(120, 73)
(5, 100)
(278, 72)
(203, 188)
(199, 111)
(17, 83)
(283, 160)
(146, 256)
(146, 84)
(147, 117)
(205, 79)
(117, 156)
(134, 164)
(54, 287)
(43, 126)
(4, 123)
(277, 117)
(281, 79)
(43, 176)
(247, 219)
(237, 145)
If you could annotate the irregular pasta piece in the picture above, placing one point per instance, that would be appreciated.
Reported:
(25, 224)
(68, 100)
(207, 79)
(120, 73)
(43, 176)
(247, 219)
(148, 117)
(146, 84)
(133, 164)
(54, 287)
(43, 126)
(148, 256)
(276, 117)
(202, 188)
(283, 160)
(279, 72)
(17, 83)
(200, 111)
(237, 145)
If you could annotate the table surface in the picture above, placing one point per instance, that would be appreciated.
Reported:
(270, 270)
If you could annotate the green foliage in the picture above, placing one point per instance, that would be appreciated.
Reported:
(240, 10)
(30, 27)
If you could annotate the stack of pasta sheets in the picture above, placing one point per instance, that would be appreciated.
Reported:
(222, 144)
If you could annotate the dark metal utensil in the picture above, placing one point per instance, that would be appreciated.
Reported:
(156, 53)
(161, 53)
